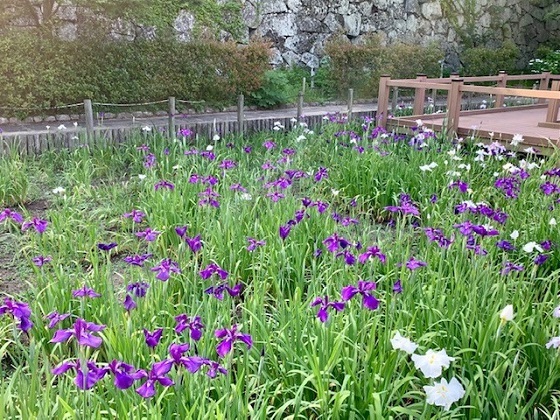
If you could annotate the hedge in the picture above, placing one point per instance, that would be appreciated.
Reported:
(50, 72)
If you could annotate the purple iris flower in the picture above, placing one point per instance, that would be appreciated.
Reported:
(227, 164)
(148, 235)
(10, 214)
(193, 324)
(54, 318)
(437, 235)
(20, 311)
(247, 149)
(238, 188)
(284, 231)
(269, 145)
(137, 216)
(138, 289)
(461, 185)
(124, 374)
(143, 148)
(86, 377)
(82, 332)
(194, 363)
(322, 314)
(85, 292)
(152, 339)
(372, 252)
(41, 260)
(510, 266)
(254, 243)
(335, 242)
(194, 243)
(185, 132)
(433, 198)
(547, 245)
(397, 287)
(466, 227)
(164, 184)
(165, 268)
(228, 337)
(540, 259)
(181, 230)
(218, 291)
(483, 230)
(275, 196)
(365, 289)
(267, 166)
(40, 225)
(505, 245)
(349, 258)
(106, 247)
(306, 202)
(321, 206)
(156, 375)
(321, 174)
(406, 206)
(549, 188)
(137, 260)
(211, 269)
(176, 351)
(150, 160)
(209, 196)
(414, 264)
(129, 303)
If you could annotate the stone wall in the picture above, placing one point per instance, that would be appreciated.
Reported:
(300, 28)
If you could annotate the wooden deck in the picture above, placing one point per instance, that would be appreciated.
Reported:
(495, 124)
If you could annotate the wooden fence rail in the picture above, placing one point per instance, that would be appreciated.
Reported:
(456, 86)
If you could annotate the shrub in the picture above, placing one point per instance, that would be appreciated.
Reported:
(550, 61)
(46, 73)
(484, 61)
(273, 91)
(359, 66)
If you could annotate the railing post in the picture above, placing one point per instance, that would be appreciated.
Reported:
(350, 103)
(454, 107)
(299, 106)
(395, 98)
(543, 85)
(553, 104)
(419, 96)
(171, 117)
(383, 101)
(88, 109)
(501, 83)
(240, 114)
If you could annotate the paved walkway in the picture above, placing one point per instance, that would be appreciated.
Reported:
(30, 128)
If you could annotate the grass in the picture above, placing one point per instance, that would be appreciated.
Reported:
(297, 366)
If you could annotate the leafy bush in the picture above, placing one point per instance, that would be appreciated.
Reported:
(46, 72)
(550, 62)
(359, 66)
(273, 91)
(484, 61)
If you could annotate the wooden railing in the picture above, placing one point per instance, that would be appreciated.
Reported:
(456, 86)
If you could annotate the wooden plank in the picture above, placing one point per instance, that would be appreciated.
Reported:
(524, 93)
(554, 104)
(414, 84)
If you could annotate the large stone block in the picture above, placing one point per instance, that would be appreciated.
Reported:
(352, 24)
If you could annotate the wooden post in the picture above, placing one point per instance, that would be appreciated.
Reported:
(553, 104)
(303, 83)
(240, 114)
(383, 101)
(171, 117)
(454, 107)
(419, 96)
(434, 99)
(88, 108)
(395, 98)
(299, 106)
(501, 83)
(543, 85)
(350, 103)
